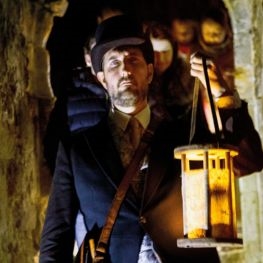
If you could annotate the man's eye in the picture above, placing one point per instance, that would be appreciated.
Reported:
(114, 63)
(133, 61)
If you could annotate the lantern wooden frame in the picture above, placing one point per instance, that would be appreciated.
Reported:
(208, 190)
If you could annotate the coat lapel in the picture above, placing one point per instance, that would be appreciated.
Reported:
(158, 167)
(161, 169)
(101, 144)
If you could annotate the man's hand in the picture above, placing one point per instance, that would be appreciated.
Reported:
(224, 96)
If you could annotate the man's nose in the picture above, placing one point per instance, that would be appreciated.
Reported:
(126, 69)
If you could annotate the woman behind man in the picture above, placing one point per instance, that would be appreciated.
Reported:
(172, 87)
(216, 41)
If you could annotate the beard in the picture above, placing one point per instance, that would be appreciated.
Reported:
(125, 99)
(127, 94)
(128, 98)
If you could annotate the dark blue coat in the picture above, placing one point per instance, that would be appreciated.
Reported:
(87, 175)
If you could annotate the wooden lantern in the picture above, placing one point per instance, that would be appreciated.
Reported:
(208, 189)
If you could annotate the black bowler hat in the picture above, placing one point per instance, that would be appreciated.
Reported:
(117, 31)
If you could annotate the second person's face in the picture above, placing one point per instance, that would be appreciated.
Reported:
(163, 54)
(212, 32)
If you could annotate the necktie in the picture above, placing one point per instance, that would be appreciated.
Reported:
(127, 141)
(134, 130)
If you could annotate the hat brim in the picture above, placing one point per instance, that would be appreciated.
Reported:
(98, 51)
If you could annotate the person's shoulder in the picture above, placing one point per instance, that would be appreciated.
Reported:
(87, 105)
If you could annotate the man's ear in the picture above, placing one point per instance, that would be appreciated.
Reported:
(87, 60)
(150, 73)
(101, 79)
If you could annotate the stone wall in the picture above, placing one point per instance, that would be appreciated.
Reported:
(26, 99)
(246, 17)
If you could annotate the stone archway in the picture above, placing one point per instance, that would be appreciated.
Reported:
(246, 19)
(26, 98)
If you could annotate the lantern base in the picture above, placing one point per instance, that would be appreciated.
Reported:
(209, 242)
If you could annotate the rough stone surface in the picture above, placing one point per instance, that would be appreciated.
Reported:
(246, 17)
(26, 98)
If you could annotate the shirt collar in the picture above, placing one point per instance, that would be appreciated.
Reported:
(122, 119)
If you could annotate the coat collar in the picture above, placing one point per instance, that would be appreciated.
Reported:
(121, 119)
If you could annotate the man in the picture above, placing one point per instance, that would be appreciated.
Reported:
(88, 173)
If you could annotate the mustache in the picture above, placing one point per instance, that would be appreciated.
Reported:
(123, 79)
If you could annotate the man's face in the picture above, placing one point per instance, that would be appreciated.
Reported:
(212, 32)
(163, 54)
(126, 76)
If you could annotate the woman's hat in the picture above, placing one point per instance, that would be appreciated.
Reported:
(115, 32)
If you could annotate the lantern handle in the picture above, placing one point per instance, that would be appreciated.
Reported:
(194, 109)
(211, 100)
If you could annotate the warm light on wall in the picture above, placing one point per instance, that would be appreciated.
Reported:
(208, 189)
